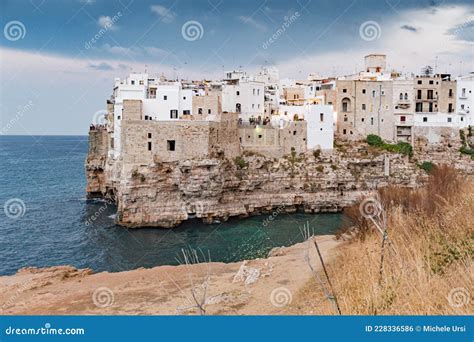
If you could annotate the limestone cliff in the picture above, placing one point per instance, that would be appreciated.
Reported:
(165, 194)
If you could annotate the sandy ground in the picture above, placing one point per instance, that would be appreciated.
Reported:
(257, 287)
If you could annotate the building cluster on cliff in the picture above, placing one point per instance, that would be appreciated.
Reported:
(155, 119)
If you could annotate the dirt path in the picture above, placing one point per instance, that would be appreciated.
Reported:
(261, 286)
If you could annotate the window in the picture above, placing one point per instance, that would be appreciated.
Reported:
(371, 121)
(187, 112)
(165, 97)
(149, 146)
(419, 107)
(208, 111)
(258, 91)
(170, 145)
(462, 106)
(149, 135)
(133, 82)
(373, 93)
(450, 93)
(344, 131)
(463, 92)
(403, 118)
(425, 119)
(345, 105)
(321, 117)
(363, 91)
(345, 118)
(450, 108)
(430, 94)
(418, 94)
(173, 114)
(383, 92)
(401, 96)
(253, 105)
(362, 119)
(199, 110)
(431, 82)
(237, 93)
(406, 96)
(260, 136)
(184, 97)
(430, 107)
(146, 117)
(420, 82)
(363, 106)
(254, 91)
(344, 90)
(450, 119)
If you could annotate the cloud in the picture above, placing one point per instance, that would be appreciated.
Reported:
(87, 2)
(107, 22)
(166, 15)
(101, 66)
(409, 28)
(252, 22)
(435, 42)
(134, 51)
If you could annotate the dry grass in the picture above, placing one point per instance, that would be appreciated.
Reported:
(431, 231)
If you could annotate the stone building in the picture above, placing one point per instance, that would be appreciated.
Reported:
(403, 109)
(363, 108)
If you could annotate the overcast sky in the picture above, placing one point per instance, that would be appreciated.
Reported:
(58, 61)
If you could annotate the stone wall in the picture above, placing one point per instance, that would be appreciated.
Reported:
(273, 141)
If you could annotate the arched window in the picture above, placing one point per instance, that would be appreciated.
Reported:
(346, 104)
(406, 96)
(401, 96)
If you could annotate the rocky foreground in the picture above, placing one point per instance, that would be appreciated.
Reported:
(263, 286)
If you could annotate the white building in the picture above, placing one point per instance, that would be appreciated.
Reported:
(465, 100)
(320, 120)
(243, 95)
(161, 100)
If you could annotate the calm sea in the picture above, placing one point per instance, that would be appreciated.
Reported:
(44, 211)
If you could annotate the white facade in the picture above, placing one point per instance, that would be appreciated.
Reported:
(320, 120)
(465, 100)
(243, 96)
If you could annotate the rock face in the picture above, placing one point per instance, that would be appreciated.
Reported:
(166, 194)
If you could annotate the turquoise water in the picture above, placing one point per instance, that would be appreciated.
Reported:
(46, 173)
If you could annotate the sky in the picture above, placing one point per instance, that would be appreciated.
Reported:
(58, 59)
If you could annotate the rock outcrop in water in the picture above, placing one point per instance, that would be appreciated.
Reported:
(167, 193)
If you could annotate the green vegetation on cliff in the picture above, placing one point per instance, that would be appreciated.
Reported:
(400, 147)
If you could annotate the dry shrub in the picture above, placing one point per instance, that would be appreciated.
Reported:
(431, 231)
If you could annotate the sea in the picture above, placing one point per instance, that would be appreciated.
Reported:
(46, 220)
